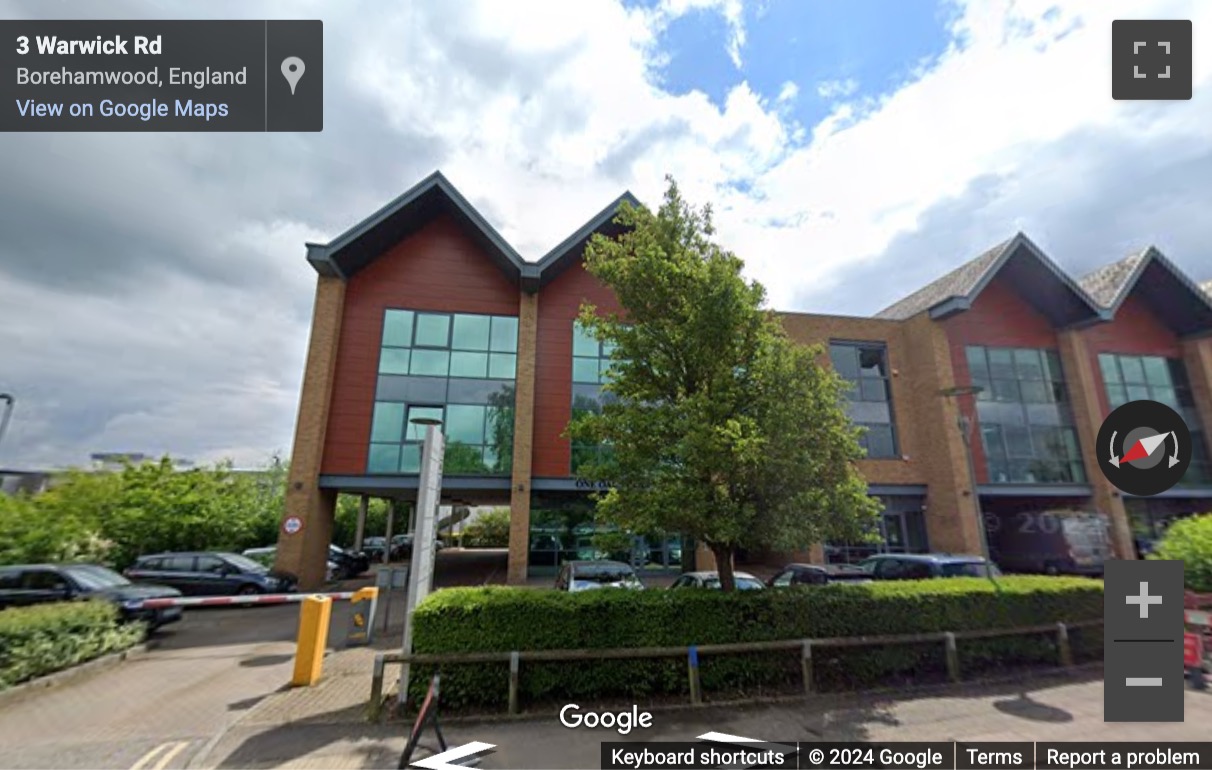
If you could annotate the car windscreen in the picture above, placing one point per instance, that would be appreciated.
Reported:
(604, 577)
(93, 578)
(243, 563)
(967, 569)
(742, 584)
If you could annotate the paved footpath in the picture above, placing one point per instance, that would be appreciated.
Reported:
(279, 734)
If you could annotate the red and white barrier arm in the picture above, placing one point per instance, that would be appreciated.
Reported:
(216, 601)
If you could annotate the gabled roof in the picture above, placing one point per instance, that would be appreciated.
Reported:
(435, 196)
(1169, 294)
(1040, 281)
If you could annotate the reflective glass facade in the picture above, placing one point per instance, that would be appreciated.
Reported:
(590, 369)
(563, 528)
(901, 529)
(1154, 378)
(869, 402)
(454, 367)
(1026, 420)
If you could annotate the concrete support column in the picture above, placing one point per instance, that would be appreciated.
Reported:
(1084, 394)
(523, 439)
(305, 553)
(391, 523)
(360, 531)
(951, 503)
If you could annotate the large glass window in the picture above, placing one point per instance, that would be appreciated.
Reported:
(901, 528)
(1025, 418)
(457, 368)
(869, 403)
(591, 362)
(563, 528)
(1156, 378)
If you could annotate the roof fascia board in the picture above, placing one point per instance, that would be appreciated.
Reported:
(949, 307)
(553, 258)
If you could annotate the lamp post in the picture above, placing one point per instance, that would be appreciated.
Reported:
(8, 400)
(964, 423)
(420, 572)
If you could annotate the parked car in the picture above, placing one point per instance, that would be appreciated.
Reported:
(265, 557)
(373, 548)
(818, 574)
(210, 574)
(349, 563)
(920, 566)
(577, 576)
(1051, 542)
(26, 584)
(744, 581)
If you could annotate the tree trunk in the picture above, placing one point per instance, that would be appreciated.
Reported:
(723, 566)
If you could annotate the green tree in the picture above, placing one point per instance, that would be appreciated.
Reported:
(489, 530)
(722, 428)
(1189, 540)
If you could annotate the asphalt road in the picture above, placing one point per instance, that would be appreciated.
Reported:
(157, 711)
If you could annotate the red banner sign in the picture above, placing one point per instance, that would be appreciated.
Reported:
(1193, 652)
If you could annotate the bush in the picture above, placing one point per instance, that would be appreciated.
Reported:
(499, 618)
(489, 530)
(49, 637)
(1190, 541)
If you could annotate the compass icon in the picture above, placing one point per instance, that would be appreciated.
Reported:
(1144, 448)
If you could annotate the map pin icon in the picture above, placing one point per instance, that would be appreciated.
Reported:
(292, 70)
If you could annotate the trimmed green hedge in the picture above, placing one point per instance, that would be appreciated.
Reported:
(49, 637)
(500, 618)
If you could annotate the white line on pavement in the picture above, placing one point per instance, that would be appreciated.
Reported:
(171, 749)
(170, 755)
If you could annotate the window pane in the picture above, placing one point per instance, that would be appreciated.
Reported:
(502, 366)
(492, 461)
(1069, 440)
(430, 363)
(986, 392)
(871, 362)
(1000, 413)
(1133, 369)
(1001, 365)
(1157, 370)
(845, 360)
(470, 332)
(412, 390)
(868, 412)
(583, 344)
(464, 460)
(1046, 414)
(468, 364)
(387, 425)
(879, 441)
(433, 330)
(873, 390)
(1028, 364)
(410, 458)
(1005, 390)
(416, 432)
(465, 424)
(1078, 472)
(1052, 365)
(1035, 391)
(1018, 441)
(978, 368)
(384, 458)
(1167, 396)
(1109, 367)
(991, 438)
(393, 361)
(504, 334)
(1138, 393)
(1178, 371)
(463, 391)
(397, 328)
(1117, 395)
(584, 370)
(1048, 443)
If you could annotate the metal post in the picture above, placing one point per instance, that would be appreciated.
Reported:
(429, 495)
(8, 400)
(953, 668)
(806, 665)
(513, 682)
(360, 531)
(1062, 643)
(692, 670)
(391, 521)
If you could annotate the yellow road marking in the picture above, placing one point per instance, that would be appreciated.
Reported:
(170, 755)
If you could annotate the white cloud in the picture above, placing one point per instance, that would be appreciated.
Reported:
(788, 92)
(832, 89)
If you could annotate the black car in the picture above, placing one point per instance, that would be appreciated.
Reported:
(27, 584)
(350, 562)
(210, 574)
(373, 548)
(818, 575)
(919, 566)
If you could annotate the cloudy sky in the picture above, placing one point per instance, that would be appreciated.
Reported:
(153, 291)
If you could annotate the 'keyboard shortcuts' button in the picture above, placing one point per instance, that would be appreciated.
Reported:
(1143, 641)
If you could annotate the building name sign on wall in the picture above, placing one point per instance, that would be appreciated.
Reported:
(590, 484)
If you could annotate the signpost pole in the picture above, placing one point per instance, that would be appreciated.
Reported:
(421, 569)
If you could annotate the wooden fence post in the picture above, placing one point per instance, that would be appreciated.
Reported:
(376, 690)
(806, 665)
(1062, 644)
(692, 665)
(953, 667)
(514, 661)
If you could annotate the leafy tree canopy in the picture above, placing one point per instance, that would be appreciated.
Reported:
(721, 427)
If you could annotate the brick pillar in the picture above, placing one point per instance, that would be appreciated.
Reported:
(1084, 386)
(951, 515)
(305, 553)
(523, 439)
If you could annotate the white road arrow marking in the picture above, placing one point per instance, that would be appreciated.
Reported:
(448, 760)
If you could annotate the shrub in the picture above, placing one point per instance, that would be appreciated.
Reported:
(1190, 541)
(500, 618)
(45, 638)
(489, 530)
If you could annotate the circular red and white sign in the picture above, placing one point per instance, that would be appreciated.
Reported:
(292, 525)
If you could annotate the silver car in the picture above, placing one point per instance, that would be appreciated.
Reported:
(744, 581)
(590, 575)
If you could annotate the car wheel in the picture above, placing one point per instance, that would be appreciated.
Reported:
(248, 590)
(1051, 569)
